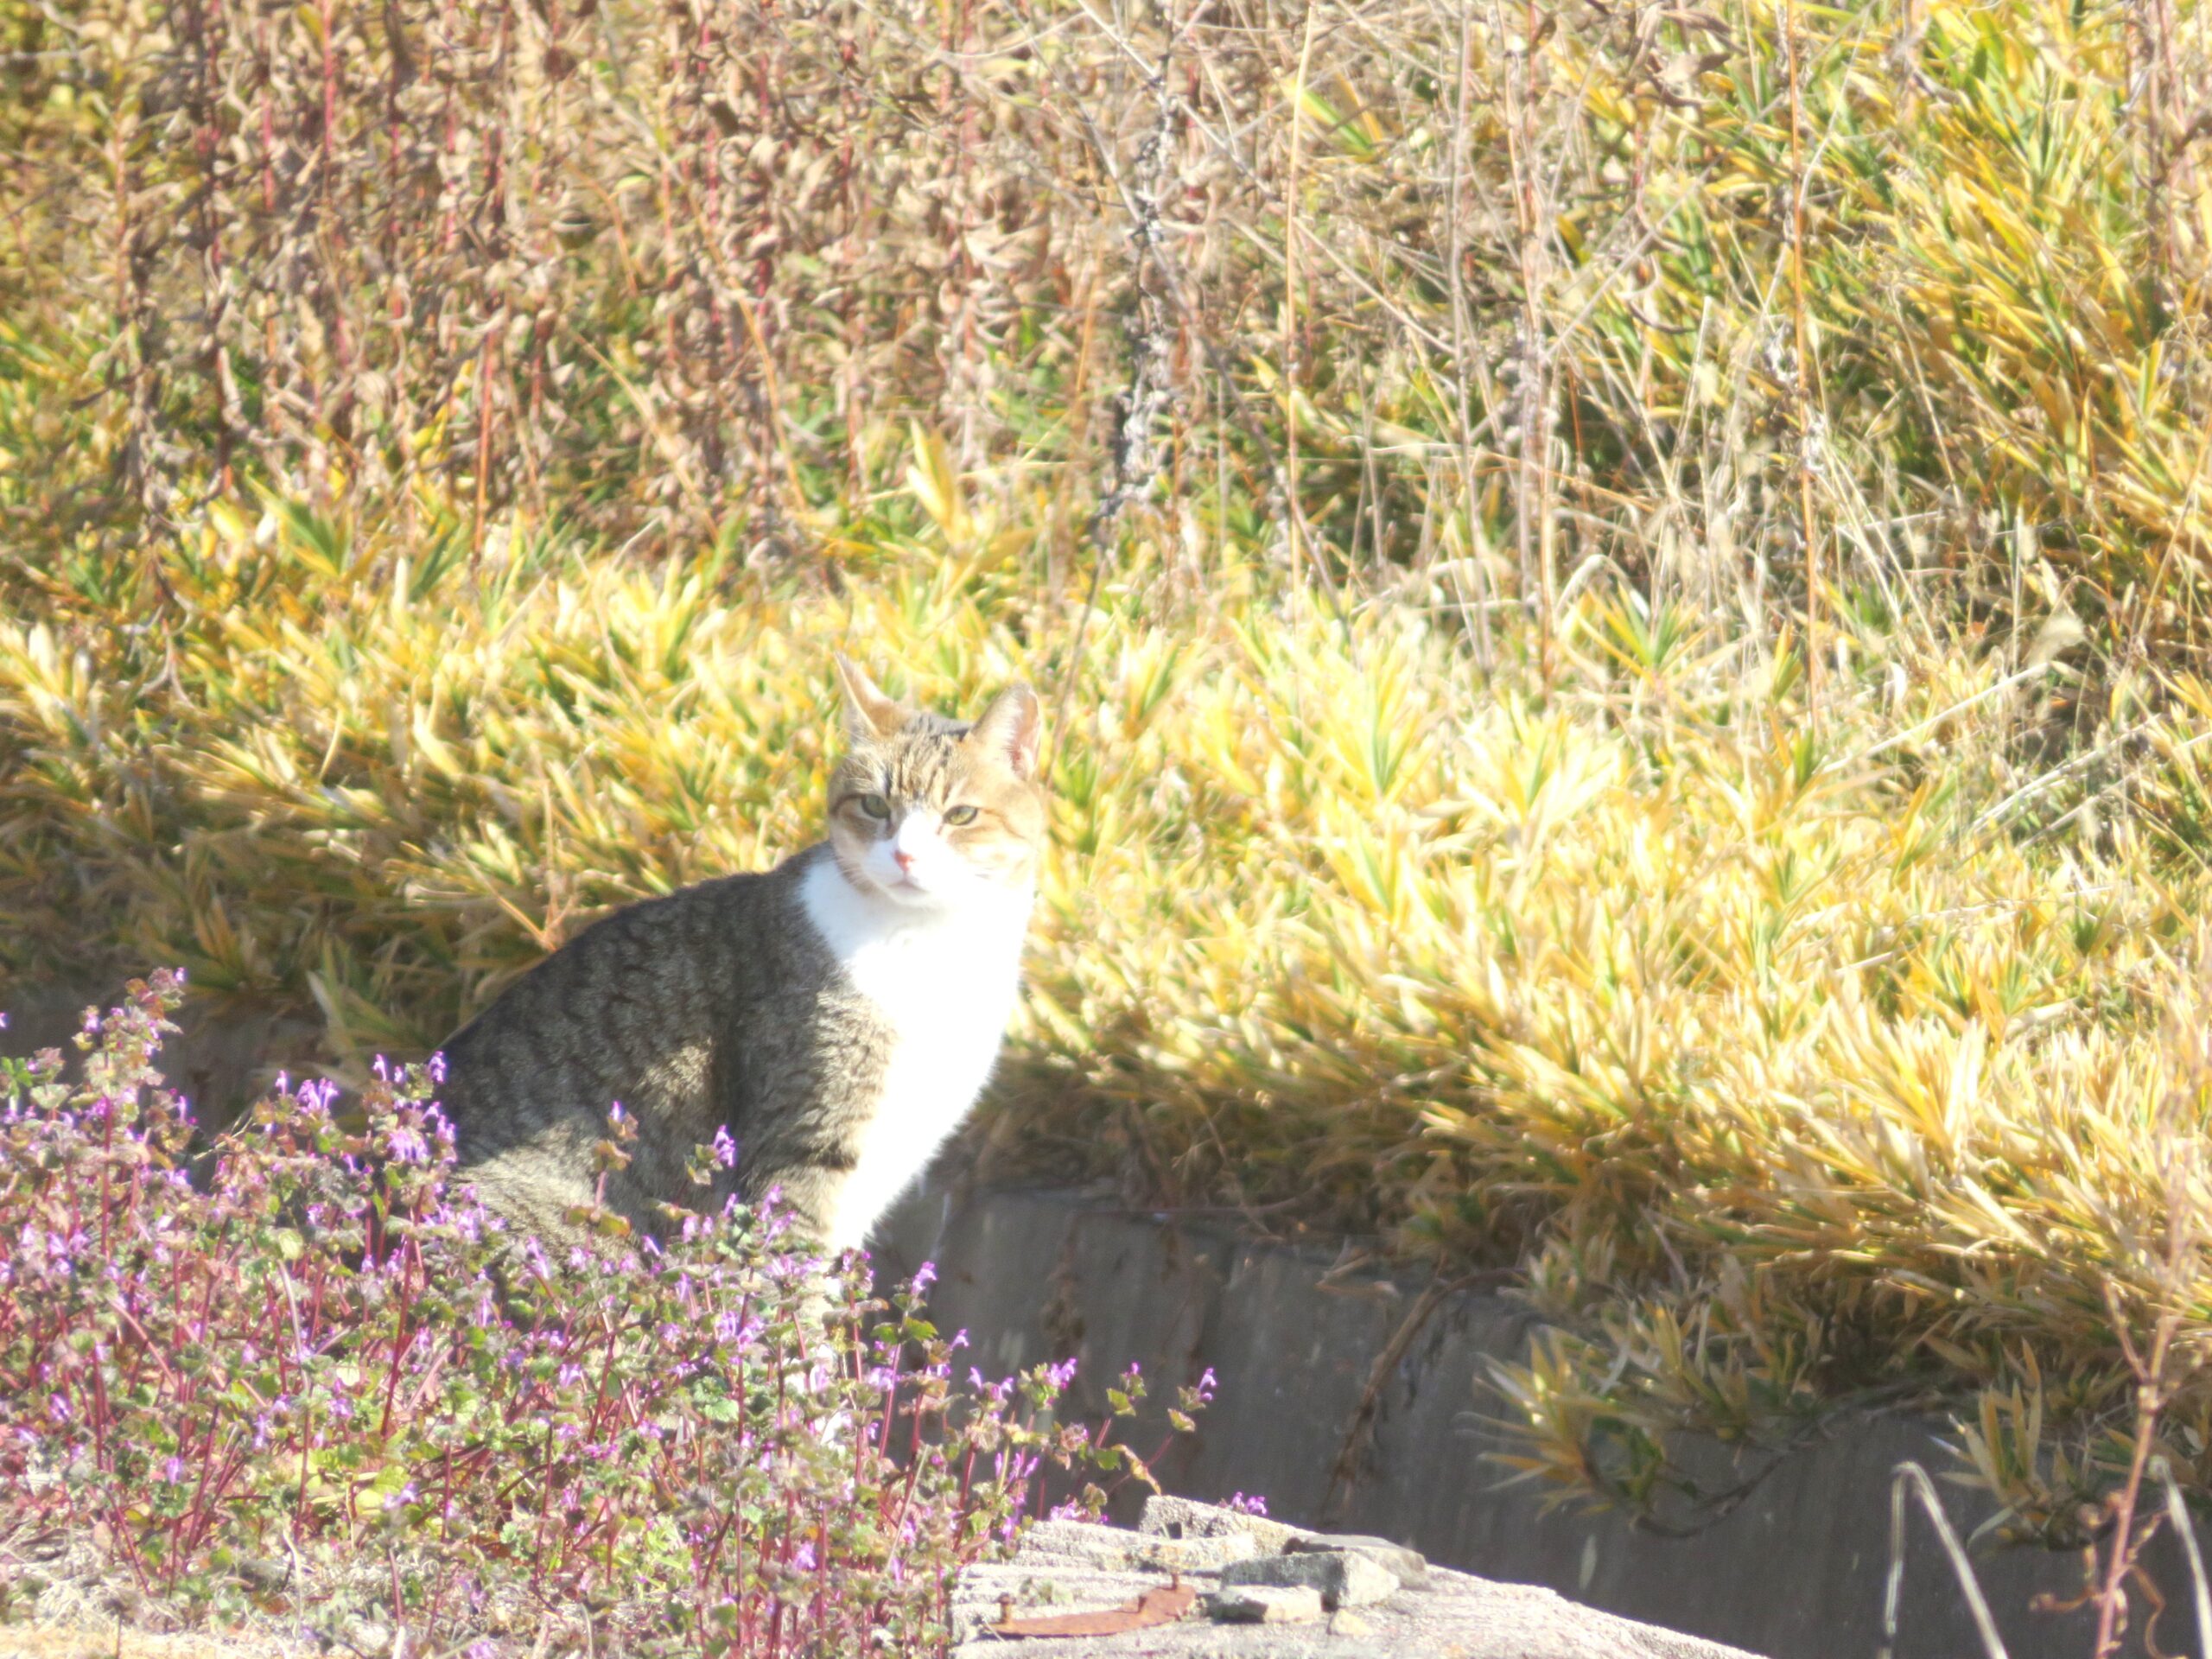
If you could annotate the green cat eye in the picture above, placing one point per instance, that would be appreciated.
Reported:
(959, 814)
(875, 806)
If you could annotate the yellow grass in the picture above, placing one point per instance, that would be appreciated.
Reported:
(1792, 1068)
(1492, 888)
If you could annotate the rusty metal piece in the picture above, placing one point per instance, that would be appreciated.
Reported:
(1160, 1607)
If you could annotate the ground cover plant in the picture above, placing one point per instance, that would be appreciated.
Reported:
(296, 1381)
(1619, 585)
(1807, 1047)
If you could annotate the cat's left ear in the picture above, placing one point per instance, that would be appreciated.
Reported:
(869, 713)
(1009, 727)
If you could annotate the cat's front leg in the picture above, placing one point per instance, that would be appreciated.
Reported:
(804, 1197)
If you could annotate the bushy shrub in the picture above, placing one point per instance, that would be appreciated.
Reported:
(301, 1378)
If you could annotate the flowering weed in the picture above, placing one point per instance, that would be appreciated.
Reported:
(300, 1378)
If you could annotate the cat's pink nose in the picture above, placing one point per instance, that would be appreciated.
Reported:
(906, 860)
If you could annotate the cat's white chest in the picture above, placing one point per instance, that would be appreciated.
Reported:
(945, 985)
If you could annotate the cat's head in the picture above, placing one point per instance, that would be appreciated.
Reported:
(937, 813)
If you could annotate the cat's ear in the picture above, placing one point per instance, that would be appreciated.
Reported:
(869, 713)
(1008, 729)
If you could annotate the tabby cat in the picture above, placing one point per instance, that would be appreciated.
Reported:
(836, 1015)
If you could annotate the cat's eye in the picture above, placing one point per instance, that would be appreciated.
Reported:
(875, 806)
(957, 816)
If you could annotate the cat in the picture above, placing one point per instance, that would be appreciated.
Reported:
(835, 1016)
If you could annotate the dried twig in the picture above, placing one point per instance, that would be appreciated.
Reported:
(2185, 1529)
(1361, 1428)
(1910, 1479)
(1810, 426)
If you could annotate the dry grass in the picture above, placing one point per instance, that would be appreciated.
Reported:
(1794, 1068)
(1409, 288)
(1446, 844)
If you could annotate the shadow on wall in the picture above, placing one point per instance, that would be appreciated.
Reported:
(1796, 1572)
(222, 1058)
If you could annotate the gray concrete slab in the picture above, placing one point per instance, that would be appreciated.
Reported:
(1795, 1572)
(1241, 1611)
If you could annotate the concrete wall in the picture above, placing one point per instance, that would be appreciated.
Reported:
(1796, 1572)
(221, 1057)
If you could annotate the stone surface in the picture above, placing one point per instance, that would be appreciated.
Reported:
(1265, 1604)
(1084, 1542)
(1343, 1577)
(1201, 1554)
(1454, 1617)
(1450, 1615)
(1181, 1517)
(1407, 1566)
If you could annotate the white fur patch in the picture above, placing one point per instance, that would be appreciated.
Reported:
(945, 979)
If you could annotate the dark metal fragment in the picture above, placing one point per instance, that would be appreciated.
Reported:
(1161, 1606)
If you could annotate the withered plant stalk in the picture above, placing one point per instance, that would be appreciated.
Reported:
(1809, 429)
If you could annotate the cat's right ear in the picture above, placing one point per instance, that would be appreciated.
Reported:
(1008, 729)
(869, 713)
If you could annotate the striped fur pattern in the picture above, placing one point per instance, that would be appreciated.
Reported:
(836, 1015)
